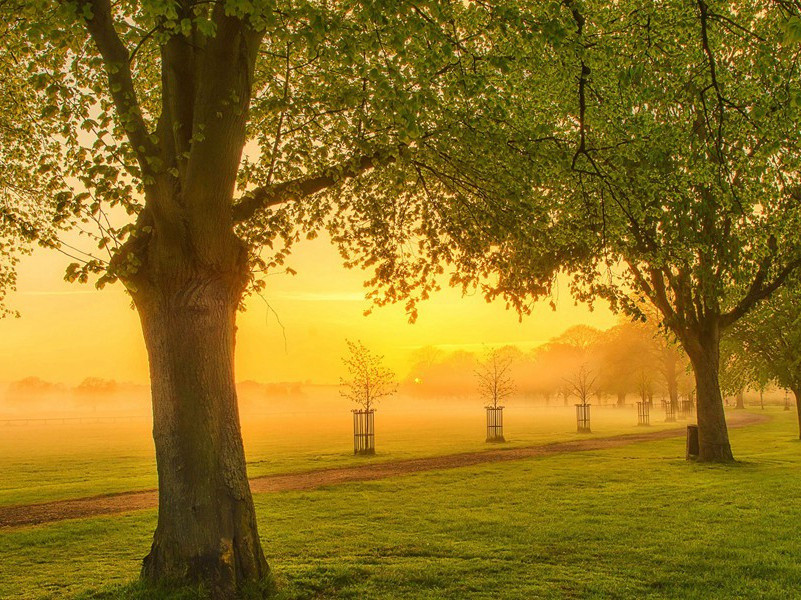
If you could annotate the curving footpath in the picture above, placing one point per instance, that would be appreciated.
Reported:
(81, 508)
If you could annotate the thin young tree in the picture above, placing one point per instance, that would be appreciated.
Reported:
(645, 386)
(494, 375)
(582, 384)
(368, 380)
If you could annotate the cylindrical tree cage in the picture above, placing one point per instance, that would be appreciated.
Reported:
(686, 409)
(583, 418)
(644, 413)
(495, 424)
(364, 431)
(670, 412)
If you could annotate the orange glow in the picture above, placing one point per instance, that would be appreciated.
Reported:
(68, 332)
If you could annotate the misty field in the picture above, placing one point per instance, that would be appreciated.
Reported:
(632, 522)
(54, 461)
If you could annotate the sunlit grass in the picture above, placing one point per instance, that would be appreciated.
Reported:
(54, 461)
(633, 522)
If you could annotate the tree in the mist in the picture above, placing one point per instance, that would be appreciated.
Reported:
(671, 363)
(563, 354)
(645, 386)
(443, 377)
(681, 189)
(92, 390)
(686, 163)
(737, 371)
(368, 380)
(350, 116)
(582, 384)
(769, 341)
(623, 352)
(495, 378)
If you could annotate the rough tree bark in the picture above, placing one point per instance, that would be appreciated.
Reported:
(190, 271)
(206, 527)
(797, 393)
(713, 434)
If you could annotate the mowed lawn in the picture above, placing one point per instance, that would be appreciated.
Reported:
(633, 522)
(54, 461)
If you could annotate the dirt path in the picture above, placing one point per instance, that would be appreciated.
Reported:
(80, 508)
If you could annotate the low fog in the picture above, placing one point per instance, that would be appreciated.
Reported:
(627, 363)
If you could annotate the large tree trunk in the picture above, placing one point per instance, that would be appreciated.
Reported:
(740, 399)
(621, 398)
(797, 394)
(206, 528)
(713, 434)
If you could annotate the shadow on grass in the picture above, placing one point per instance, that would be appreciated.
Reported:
(141, 590)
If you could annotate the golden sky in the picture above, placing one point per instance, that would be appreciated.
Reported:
(69, 331)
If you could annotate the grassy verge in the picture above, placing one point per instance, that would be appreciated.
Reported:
(634, 522)
(54, 462)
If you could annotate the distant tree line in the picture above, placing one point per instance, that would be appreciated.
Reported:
(630, 360)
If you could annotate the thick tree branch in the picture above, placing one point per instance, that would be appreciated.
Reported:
(116, 59)
(759, 290)
(296, 189)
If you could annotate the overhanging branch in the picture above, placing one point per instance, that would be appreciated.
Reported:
(116, 59)
(302, 187)
(759, 290)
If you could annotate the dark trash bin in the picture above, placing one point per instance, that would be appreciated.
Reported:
(693, 446)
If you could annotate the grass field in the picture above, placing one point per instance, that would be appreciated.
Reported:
(634, 522)
(54, 461)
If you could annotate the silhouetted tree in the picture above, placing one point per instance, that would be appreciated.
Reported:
(582, 384)
(494, 374)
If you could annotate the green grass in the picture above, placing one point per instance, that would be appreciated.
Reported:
(53, 462)
(633, 522)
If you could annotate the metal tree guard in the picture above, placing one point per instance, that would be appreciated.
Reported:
(583, 418)
(686, 408)
(643, 413)
(670, 412)
(363, 431)
(495, 424)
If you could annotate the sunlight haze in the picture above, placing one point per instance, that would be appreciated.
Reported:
(70, 331)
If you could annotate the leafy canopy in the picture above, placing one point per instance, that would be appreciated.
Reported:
(375, 120)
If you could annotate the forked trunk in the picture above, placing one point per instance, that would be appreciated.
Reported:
(713, 434)
(206, 530)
